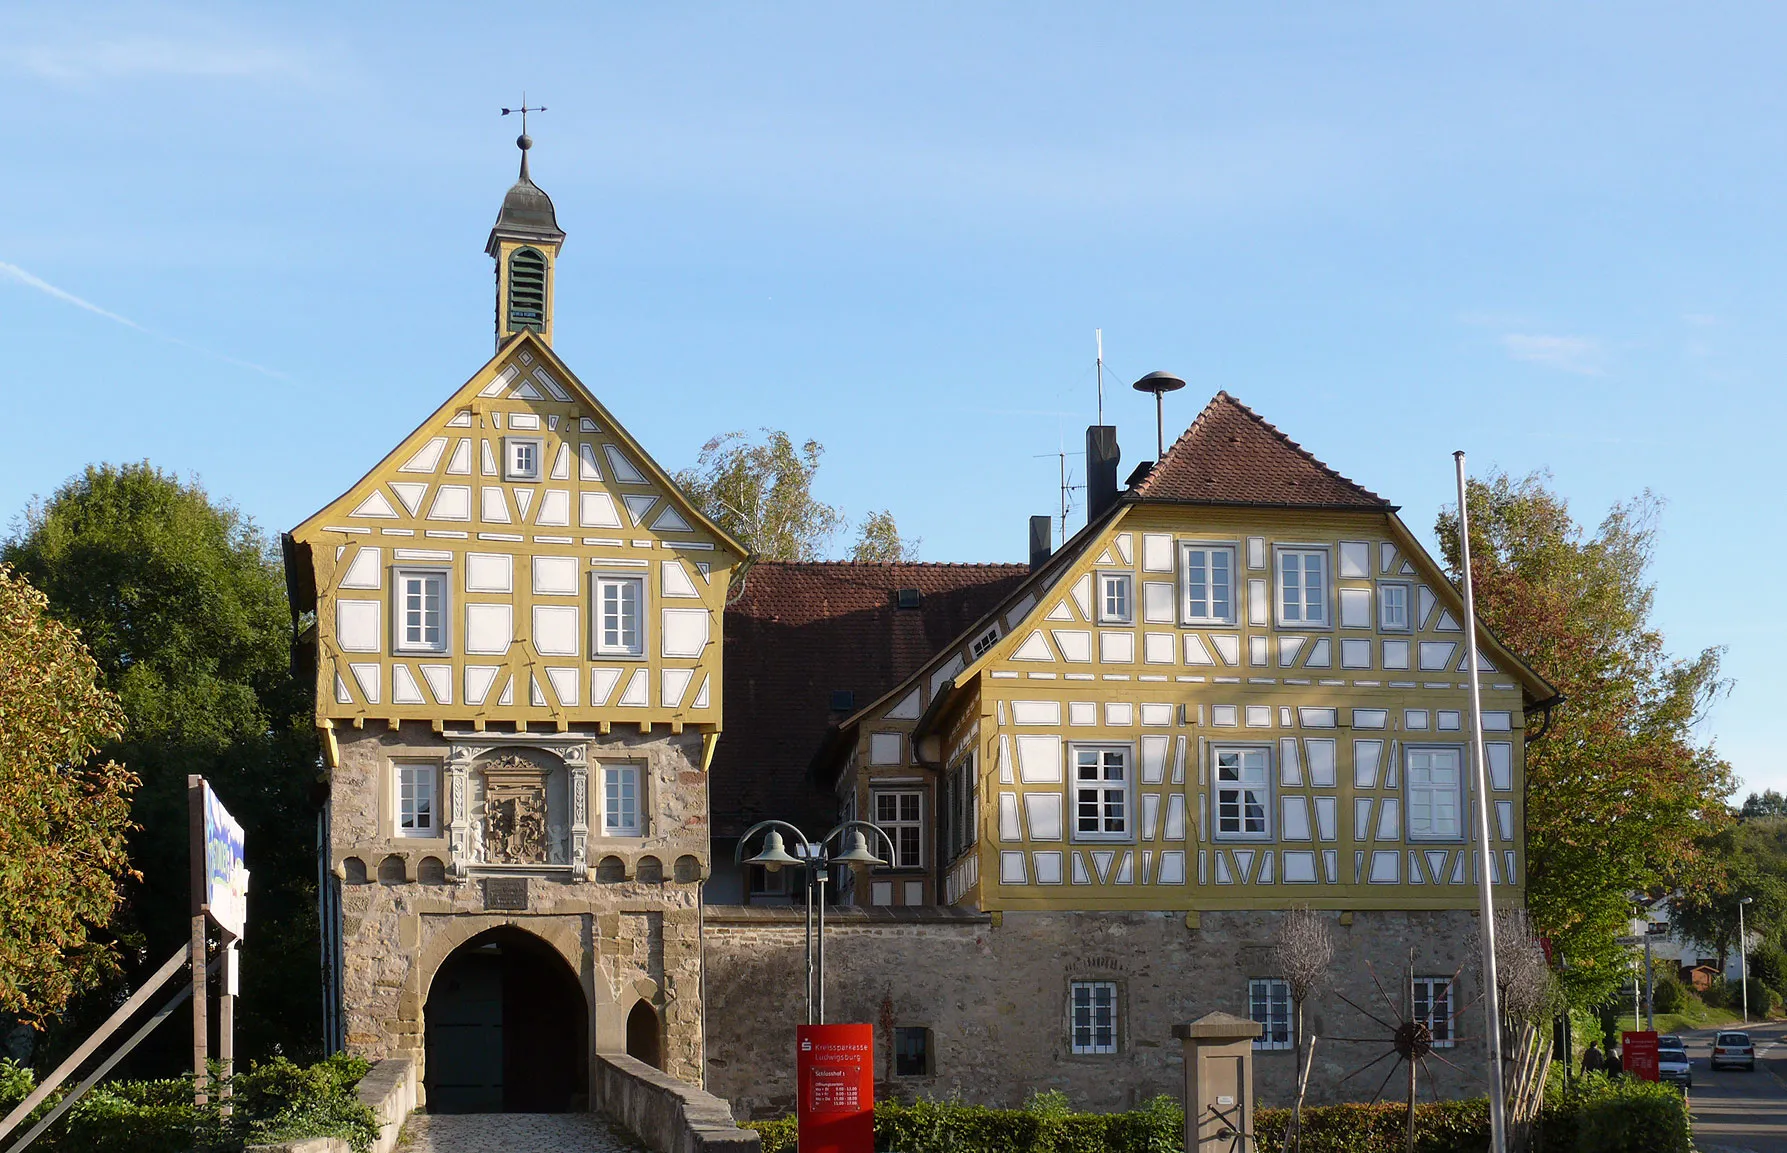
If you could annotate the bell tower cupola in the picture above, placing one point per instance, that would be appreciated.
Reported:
(525, 244)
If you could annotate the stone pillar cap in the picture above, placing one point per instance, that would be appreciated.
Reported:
(1218, 1027)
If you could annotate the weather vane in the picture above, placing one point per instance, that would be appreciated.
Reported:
(524, 110)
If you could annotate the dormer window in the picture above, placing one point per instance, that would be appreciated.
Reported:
(521, 458)
(527, 290)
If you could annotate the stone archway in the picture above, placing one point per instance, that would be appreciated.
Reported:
(645, 1035)
(506, 1028)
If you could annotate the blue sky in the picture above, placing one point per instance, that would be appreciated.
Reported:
(245, 242)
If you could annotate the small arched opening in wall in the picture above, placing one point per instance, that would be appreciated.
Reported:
(353, 871)
(432, 871)
(392, 871)
(506, 1028)
(645, 1034)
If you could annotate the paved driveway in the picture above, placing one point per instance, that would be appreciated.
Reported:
(514, 1133)
(1737, 1111)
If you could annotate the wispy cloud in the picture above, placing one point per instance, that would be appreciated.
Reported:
(1581, 355)
(146, 56)
(14, 273)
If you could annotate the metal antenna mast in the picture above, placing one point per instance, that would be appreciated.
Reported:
(1098, 335)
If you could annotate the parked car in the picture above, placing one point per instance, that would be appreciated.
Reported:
(1671, 1041)
(1733, 1048)
(1672, 1066)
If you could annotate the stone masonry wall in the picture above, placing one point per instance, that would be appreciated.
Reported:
(995, 995)
(627, 924)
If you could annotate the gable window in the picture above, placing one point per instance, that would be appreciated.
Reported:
(415, 800)
(1435, 794)
(1243, 794)
(1092, 1016)
(619, 616)
(900, 815)
(1433, 1008)
(421, 614)
(1303, 587)
(1269, 1006)
(1115, 603)
(1101, 793)
(1209, 584)
(521, 458)
(620, 801)
(983, 642)
(1393, 608)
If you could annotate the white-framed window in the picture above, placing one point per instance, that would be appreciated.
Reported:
(521, 457)
(1116, 599)
(1243, 792)
(1434, 1008)
(619, 616)
(622, 811)
(1101, 781)
(1393, 607)
(1303, 587)
(417, 807)
(1209, 584)
(900, 813)
(984, 641)
(1092, 1016)
(1435, 793)
(1269, 1006)
(420, 619)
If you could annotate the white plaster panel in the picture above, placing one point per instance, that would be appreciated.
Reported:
(1119, 714)
(1034, 648)
(1172, 867)
(1367, 759)
(1116, 646)
(565, 685)
(1355, 608)
(1157, 648)
(555, 576)
(1044, 813)
(1256, 649)
(1075, 644)
(1155, 714)
(410, 493)
(1355, 654)
(440, 682)
(1195, 652)
(1048, 867)
(1011, 868)
(1009, 830)
(357, 626)
(1355, 559)
(489, 628)
(1259, 606)
(1321, 654)
(1082, 595)
(1082, 713)
(1259, 716)
(427, 457)
(1225, 716)
(601, 684)
(1036, 712)
(451, 502)
(478, 679)
(886, 748)
(1295, 813)
(1436, 656)
(1039, 760)
(1319, 754)
(1227, 646)
(1396, 654)
(1256, 552)
(1327, 817)
(1385, 867)
(637, 693)
(404, 689)
(674, 580)
(623, 468)
(1370, 718)
(1389, 819)
(555, 509)
(490, 572)
(1154, 759)
(909, 708)
(364, 571)
(494, 505)
(1157, 552)
(1288, 648)
(1175, 825)
(685, 631)
(555, 630)
(1501, 764)
(1504, 819)
(1290, 764)
(376, 506)
(1316, 717)
(1449, 720)
(1157, 602)
(596, 510)
(672, 684)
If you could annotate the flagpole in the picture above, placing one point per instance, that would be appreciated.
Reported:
(1492, 1013)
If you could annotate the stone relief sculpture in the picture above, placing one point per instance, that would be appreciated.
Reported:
(515, 814)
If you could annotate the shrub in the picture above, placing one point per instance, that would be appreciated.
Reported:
(1668, 996)
(1623, 1115)
(1768, 964)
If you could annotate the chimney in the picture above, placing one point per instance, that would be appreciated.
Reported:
(1101, 470)
(1042, 540)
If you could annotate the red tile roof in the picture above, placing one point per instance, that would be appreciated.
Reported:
(1230, 455)
(799, 631)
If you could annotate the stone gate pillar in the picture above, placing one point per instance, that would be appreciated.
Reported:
(1218, 1083)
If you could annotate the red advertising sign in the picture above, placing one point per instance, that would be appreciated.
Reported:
(1638, 1054)
(835, 1065)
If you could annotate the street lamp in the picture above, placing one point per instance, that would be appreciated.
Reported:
(1743, 956)
(817, 859)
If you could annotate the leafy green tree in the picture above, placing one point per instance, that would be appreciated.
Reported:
(761, 492)
(63, 812)
(1752, 858)
(1767, 803)
(182, 601)
(1621, 790)
(878, 540)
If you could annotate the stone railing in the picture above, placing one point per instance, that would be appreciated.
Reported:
(669, 1115)
(388, 1089)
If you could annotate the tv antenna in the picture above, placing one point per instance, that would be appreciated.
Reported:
(1067, 489)
(1098, 335)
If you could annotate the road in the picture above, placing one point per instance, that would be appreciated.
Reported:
(1735, 1111)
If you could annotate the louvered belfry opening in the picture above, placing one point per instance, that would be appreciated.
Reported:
(527, 290)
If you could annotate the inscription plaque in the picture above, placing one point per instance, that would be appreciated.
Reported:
(505, 893)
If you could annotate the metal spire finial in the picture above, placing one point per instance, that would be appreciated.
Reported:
(524, 141)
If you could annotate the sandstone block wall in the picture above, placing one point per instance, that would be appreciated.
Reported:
(995, 996)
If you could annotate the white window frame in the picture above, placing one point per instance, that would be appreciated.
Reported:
(1126, 583)
(599, 583)
(1086, 1042)
(1444, 1033)
(424, 778)
(400, 578)
(1242, 786)
(1266, 996)
(1102, 786)
(1409, 752)
(893, 827)
(1280, 556)
(1408, 607)
(1187, 610)
(622, 771)
(511, 446)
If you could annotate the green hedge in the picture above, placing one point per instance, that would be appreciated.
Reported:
(278, 1101)
(1597, 1116)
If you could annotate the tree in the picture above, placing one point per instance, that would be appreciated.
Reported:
(1768, 803)
(63, 813)
(1752, 858)
(1303, 952)
(182, 602)
(878, 540)
(761, 493)
(1621, 791)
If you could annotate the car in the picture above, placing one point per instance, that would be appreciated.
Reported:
(1671, 1041)
(1733, 1048)
(1673, 1066)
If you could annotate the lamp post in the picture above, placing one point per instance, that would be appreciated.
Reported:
(1743, 956)
(817, 859)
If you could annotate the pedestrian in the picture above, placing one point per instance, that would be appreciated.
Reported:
(1614, 1067)
(1592, 1061)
